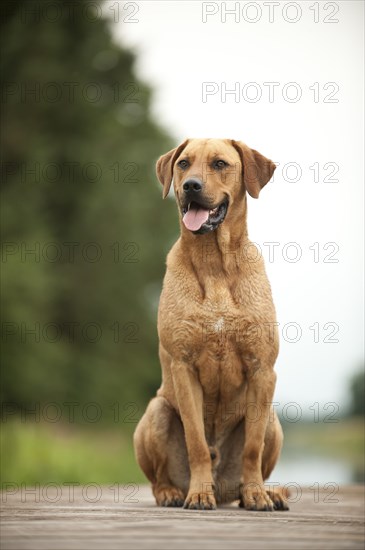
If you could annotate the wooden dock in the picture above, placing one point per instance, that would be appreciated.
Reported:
(125, 517)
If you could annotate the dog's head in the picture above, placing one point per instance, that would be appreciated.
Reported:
(210, 176)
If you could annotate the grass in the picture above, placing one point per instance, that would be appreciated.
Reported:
(39, 453)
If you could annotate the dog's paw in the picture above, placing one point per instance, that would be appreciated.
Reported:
(200, 501)
(255, 497)
(278, 499)
(169, 496)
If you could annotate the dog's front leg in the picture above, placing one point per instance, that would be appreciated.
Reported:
(189, 395)
(261, 385)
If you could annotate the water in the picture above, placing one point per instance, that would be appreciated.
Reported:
(307, 470)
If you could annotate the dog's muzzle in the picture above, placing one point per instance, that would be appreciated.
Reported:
(201, 218)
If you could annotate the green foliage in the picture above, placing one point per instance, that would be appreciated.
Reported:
(71, 301)
(357, 389)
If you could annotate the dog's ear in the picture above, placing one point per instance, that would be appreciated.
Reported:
(257, 170)
(165, 167)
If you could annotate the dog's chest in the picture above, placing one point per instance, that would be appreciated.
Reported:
(220, 349)
(220, 323)
(215, 330)
(221, 373)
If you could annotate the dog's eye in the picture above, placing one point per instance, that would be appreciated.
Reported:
(220, 164)
(183, 164)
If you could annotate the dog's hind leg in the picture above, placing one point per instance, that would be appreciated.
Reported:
(160, 449)
(272, 449)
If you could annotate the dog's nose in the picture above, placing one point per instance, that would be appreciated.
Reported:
(192, 184)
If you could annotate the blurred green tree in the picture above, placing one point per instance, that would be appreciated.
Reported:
(357, 390)
(84, 231)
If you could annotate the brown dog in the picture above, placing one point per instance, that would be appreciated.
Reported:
(211, 434)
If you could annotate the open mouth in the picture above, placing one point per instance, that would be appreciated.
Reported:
(199, 219)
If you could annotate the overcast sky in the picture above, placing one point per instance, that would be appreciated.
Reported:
(298, 83)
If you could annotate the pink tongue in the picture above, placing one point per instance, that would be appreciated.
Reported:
(195, 217)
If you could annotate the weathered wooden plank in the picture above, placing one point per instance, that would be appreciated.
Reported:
(60, 520)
